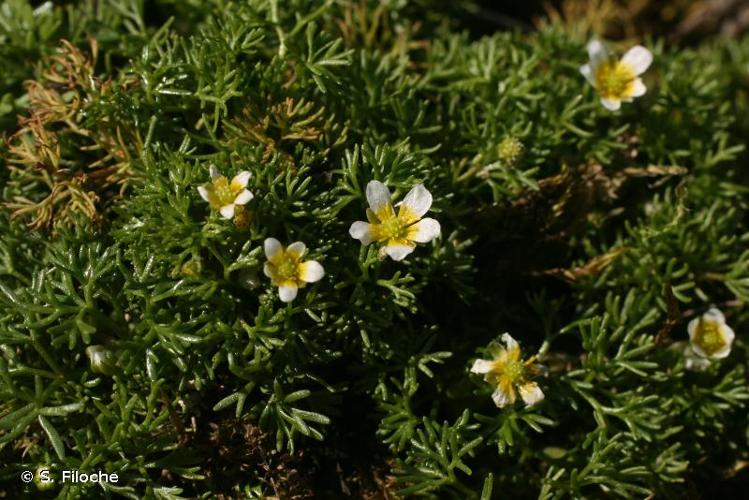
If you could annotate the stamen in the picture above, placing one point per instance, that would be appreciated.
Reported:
(392, 228)
(223, 191)
(287, 268)
(615, 80)
(709, 337)
(514, 371)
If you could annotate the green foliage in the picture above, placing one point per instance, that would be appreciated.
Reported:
(593, 237)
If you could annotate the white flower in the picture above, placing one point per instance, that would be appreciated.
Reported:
(616, 81)
(398, 232)
(507, 371)
(286, 269)
(709, 335)
(223, 195)
(43, 9)
(694, 362)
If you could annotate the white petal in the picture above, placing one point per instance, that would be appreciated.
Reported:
(728, 336)
(611, 104)
(722, 352)
(43, 9)
(696, 363)
(243, 197)
(287, 293)
(424, 231)
(500, 398)
(311, 271)
(378, 195)
(714, 314)
(272, 246)
(510, 343)
(639, 88)
(203, 193)
(481, 366)
(297, 249)
(227, 211)
(398, 252)
(242, 178)
(267, 270)
(359, 230)
(692, 328)
(698, 351)
(597, 52)
(587, 72)
(418, 201)
(214, 172)
(531, 393)
(638, 58)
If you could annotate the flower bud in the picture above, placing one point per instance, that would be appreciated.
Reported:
(242, 217)
(510, 150)
(248, 279)
(43, 478)
(101, 359)
(192, 268)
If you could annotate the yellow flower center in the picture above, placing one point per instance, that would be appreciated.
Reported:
(513, 371)
(393, 228)
(615, 80)
(709, 337)
(507, 371)
(390, 227)
(223, 192)
(287, 268)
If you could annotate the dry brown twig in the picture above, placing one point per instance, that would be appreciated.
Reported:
(41, 151)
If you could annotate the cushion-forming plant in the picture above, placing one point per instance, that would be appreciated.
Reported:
(516, 280)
